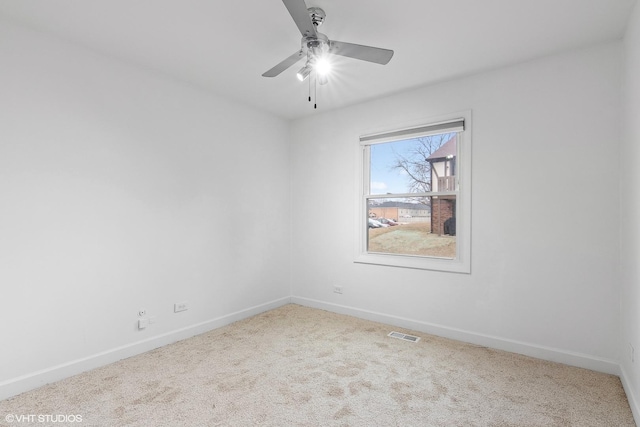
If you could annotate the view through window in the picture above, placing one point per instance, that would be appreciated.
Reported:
(411, 197)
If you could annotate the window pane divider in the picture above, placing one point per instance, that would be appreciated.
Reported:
(410, 195)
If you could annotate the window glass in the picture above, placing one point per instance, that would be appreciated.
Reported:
(420, 223)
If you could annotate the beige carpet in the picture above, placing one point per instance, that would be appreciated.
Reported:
(296, 366)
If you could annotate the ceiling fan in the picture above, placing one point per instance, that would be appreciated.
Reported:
(317, 48)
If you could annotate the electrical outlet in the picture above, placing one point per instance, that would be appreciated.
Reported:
(143, 323)
(337, 289)
(180, 306)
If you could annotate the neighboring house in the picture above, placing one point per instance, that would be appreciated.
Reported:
(443, 178)
(399, 210)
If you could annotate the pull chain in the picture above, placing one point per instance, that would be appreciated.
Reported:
(315, 89)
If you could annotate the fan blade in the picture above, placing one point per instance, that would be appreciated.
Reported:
(298, 11)
(364, 53)
(284, 64)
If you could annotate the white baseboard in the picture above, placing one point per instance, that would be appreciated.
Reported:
(37, 379)
(532, 350)
(631, 397)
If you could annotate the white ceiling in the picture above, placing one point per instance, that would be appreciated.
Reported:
(224, 47)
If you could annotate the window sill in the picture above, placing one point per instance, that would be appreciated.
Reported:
(415, 262)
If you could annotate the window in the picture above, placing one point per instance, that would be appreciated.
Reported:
(414, 206)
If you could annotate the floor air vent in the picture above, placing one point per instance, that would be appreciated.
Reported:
(404, 337)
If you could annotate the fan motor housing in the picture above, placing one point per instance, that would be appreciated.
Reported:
(315, 44)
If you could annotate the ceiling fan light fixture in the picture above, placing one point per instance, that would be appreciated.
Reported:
(304, 72)
(318, 48)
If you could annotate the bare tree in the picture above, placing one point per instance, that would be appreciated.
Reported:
(415, 164)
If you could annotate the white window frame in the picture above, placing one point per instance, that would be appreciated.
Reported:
(462, 262)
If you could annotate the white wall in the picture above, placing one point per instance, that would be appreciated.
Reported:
(122, 189)
(629, 214)
(118, 187)
(545, 238)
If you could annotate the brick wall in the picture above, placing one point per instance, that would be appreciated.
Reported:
(441, 210)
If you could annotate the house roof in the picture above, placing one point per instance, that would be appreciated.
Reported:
(401, 205)
(447, 149)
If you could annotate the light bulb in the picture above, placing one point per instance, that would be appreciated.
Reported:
(323, 66)
(304, 73)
